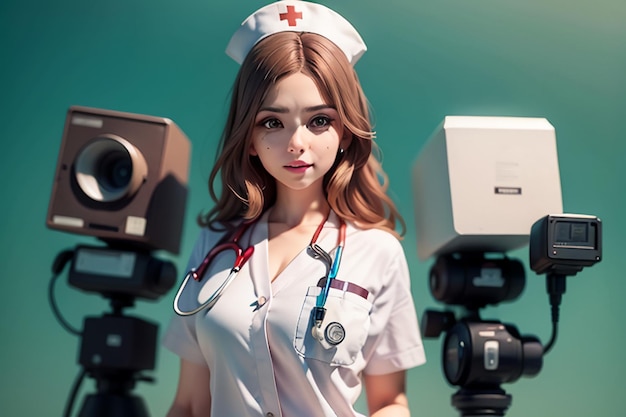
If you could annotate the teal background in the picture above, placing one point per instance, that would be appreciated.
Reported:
(563, 60)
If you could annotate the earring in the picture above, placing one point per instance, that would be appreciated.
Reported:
(340, 151)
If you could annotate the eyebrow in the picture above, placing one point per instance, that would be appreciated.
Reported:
(307, 109)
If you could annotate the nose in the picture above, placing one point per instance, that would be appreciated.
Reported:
(297, 141)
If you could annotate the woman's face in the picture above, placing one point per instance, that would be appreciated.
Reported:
(296, 134)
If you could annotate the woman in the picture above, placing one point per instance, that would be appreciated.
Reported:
(322, 306)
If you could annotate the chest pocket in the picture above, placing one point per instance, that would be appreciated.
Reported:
(350, 310)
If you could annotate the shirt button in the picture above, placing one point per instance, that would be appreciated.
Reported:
(269, 415)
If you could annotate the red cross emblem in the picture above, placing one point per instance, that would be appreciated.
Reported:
(291, 16)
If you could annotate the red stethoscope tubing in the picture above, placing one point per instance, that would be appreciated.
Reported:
(242, 256)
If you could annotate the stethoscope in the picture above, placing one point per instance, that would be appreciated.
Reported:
(242, 257)
(334, 332)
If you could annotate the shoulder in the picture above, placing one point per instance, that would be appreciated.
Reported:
(375, 259)
(374, 247)
(211, 234)
(373, 240)
(206, 239)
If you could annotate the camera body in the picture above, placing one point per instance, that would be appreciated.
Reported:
(564, 244)
(121, 177)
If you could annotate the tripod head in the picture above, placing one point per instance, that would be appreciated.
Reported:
(479, 355)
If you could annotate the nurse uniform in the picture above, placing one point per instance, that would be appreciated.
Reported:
(257, 340)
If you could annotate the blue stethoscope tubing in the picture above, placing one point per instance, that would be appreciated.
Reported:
(334, 265)
(242, 257)
(319, 311)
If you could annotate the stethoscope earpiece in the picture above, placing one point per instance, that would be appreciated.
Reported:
(317, 333)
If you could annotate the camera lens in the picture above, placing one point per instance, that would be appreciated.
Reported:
(454, 351)
(115, 170)
(110, 169)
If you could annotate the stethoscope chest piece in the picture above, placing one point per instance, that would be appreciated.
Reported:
(334, 333)
(330, 334)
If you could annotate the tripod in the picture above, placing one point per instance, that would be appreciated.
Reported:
(115, 349)
(113, 398)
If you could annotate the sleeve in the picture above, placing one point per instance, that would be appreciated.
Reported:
(394, 341)
(180, 334)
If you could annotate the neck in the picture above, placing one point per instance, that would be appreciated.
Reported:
(299, 208)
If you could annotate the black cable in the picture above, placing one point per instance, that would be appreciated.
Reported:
(78, 381)
(555, 284)
(550, 344)
(58, 265)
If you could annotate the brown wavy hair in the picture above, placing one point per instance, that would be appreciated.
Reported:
(355, 186)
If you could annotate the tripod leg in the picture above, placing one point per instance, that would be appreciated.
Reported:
(113, 405)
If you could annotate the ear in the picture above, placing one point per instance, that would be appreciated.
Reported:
(346, 140)
(252, 150)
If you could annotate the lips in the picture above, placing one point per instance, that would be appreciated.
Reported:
(298, 167)
(298, 164)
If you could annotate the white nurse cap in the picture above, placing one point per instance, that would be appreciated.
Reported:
(296, 16)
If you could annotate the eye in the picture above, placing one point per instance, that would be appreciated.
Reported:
(271, 123)
(318, 122)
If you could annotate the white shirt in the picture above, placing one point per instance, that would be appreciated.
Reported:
(257, 339)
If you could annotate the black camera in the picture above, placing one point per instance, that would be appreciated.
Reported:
(475, 280)
(488, 353)
(563, 244)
